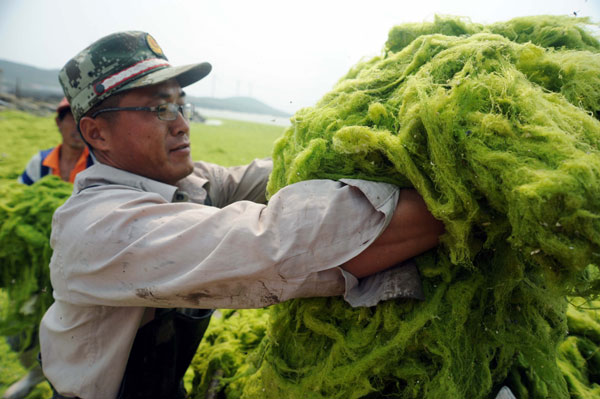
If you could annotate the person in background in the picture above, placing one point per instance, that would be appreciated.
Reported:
(65, 160)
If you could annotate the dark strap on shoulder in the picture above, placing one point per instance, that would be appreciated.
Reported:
(89, 161)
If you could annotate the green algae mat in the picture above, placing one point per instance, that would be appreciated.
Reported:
(497, 128)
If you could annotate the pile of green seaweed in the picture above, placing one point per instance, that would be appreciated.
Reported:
(25, 223)
(497, 128)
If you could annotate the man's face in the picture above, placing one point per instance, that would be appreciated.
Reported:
(68, 131)
(141, 143)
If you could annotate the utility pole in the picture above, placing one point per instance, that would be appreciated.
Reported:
(1, 79)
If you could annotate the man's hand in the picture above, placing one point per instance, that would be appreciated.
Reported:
(412, 231)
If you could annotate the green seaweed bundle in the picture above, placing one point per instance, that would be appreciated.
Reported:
(578, 356)
(502, 140)
(229, 351)
(26, 218)
(549, 31)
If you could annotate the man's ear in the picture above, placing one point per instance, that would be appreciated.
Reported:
(95, 132)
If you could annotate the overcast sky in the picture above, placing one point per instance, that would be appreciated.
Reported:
(284, 53)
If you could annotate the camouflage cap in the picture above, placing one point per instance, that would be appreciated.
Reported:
(118, 62)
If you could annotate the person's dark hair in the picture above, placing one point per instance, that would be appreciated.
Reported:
(62, 113)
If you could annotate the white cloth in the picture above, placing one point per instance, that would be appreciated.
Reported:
(121, 246)
(33, 168)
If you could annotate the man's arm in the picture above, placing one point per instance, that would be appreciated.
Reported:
(412, 230)
(117, 246)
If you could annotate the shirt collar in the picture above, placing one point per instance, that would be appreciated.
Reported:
(100, 175)
(195, 188)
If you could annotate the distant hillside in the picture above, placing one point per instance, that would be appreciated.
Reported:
(238, 104)
(43, 83)
(31, 81)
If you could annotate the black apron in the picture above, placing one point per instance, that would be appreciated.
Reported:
(162, 351)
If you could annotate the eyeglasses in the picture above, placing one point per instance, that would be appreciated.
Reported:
(164, 112)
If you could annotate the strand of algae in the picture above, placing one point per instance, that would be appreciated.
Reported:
(500, 138)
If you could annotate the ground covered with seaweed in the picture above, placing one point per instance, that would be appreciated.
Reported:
(26, 215)
(497, 128)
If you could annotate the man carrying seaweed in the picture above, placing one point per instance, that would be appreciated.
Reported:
(149, 240)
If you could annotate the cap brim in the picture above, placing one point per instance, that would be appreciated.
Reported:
(185, 76)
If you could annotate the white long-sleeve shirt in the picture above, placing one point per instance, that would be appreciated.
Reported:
(121, 246)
